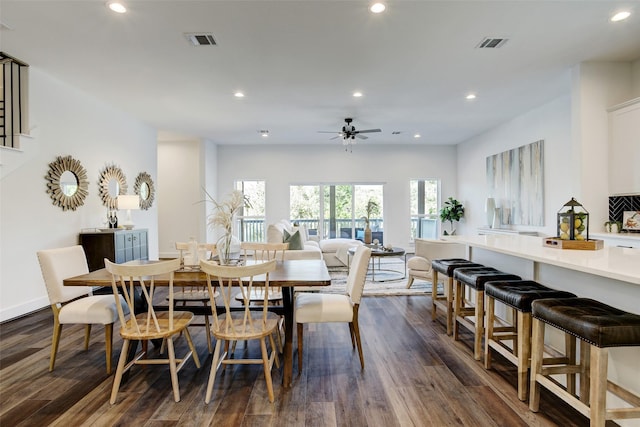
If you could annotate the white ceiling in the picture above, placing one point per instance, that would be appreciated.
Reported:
(298, 62)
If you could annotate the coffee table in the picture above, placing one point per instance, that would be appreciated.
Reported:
(377, 253)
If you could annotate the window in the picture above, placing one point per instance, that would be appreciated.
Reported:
(424, 209)
(251, 221)
(336, 210)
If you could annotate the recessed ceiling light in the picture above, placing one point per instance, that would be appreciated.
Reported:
(620, 16)
(116, 6)
(264, 133)
(377, 8)
(417, 135)
(239, 95)
(357, 94)
(471, 96)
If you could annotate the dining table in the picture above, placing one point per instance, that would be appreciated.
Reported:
(287, 275)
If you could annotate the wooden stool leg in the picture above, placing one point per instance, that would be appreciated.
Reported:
(450, 301)
(479, 330)
(537, 349)
(434, 293)
(598, 389)
(491, 304)
(585, 374)
(458, 302)
(570, 351)
(524, 352)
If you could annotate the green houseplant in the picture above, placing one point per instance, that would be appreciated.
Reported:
(451, 211)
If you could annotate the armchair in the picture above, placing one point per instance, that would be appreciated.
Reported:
(419, 266)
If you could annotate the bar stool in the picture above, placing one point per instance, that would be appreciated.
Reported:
(444, 302)
(598, 326)
(518, 296)
(473, 278)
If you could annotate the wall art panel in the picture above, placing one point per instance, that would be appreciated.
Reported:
(516, 182)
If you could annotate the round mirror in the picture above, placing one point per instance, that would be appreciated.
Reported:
(144, 188)
(67, 182)
(111, 183)
(144, 191)
(113, 187)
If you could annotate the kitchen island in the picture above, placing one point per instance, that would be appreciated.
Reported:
(610, 275)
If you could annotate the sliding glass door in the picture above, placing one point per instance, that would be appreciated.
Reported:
(337, 210)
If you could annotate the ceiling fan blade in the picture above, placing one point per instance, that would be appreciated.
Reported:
(362, 136)
(328, 131)
(335, 137)
(369, 130)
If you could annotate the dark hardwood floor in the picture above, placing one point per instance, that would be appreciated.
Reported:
(415, 375)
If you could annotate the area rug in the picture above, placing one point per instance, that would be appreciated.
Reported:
(379, 288)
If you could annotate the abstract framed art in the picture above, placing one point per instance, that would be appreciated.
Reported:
(515, 179)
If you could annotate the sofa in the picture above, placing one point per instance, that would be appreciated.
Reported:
(332, 251)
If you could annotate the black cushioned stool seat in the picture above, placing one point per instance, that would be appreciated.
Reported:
(474, 278)
(518, 296)
(444, 301)
(598, 327)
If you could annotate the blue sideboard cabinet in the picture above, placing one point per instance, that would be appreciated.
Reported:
(116, 245)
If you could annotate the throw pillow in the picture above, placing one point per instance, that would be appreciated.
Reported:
(294, 240)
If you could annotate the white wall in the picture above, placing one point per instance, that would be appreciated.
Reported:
(393, 166)
(576, 133)
(635, 77)
(550, 122)
(67, 122)
(185, 168)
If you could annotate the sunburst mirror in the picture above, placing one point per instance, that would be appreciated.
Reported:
(67, 183)
(111, 183)
(143, 187)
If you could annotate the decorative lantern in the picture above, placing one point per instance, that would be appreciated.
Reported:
(573, 221)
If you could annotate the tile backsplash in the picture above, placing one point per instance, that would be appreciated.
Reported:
(619, 204)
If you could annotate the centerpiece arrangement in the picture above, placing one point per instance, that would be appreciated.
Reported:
(223, 217)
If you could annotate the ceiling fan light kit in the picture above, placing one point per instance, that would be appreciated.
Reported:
(349, 132)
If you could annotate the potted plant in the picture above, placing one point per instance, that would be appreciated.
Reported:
(372, 209)
(451, 211)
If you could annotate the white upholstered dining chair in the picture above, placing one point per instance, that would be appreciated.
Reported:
(322, 308)
(75, 304)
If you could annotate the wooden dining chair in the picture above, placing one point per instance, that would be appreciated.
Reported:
(76, 304)
(244, 324)
(152, 324)
(261, 251)
(322, 308)
(195, 294)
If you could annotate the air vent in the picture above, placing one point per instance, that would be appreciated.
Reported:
(396, 132)
(200, 39)
(491, 43)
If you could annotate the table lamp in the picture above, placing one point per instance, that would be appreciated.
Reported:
(128, 202)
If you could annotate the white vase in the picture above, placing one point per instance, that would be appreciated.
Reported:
(490, 209)
(496, 218)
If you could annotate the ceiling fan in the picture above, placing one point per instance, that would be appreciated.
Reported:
(349, 131)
